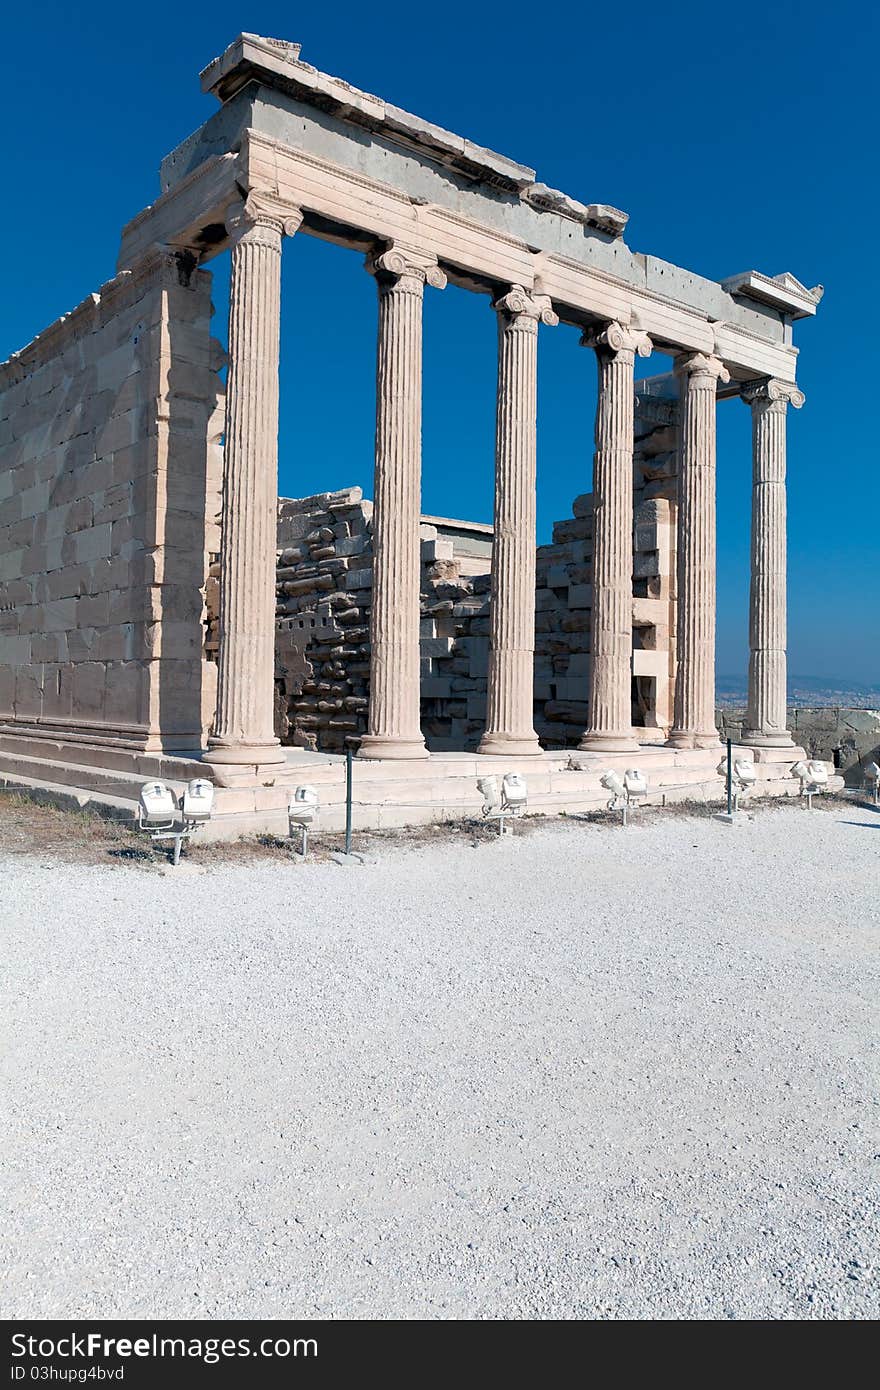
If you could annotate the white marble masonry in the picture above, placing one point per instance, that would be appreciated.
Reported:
(243, 729)
(766, 717)
(694, 717)
(394, 726)
(610, 699)
(510, 719)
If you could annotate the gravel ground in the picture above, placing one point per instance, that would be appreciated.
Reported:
(581, 1073)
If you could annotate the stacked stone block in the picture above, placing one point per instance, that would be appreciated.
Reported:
(655, 512)
(563, 616)
(454, 646)
(563, 604)
(109, 453)
(324, 584)
(324, 591)
(322, 624)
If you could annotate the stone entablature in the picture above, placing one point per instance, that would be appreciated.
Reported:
(287, 130)
(783, 292)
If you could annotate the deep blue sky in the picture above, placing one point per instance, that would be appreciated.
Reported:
(736, 138)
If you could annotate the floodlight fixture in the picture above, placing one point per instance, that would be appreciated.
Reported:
(813, 777)
(488, 789)
(160, 815)
(514, 793)
(745, 772)
(198, 802)
(636, 785)
(157, 807)
(872, 782)
(743, 776)
(509, 800)
(627, 791)
(302, 812)
(613, 782)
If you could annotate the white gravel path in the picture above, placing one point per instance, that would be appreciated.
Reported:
(585, 1073)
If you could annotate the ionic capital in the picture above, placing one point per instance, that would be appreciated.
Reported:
(703, 368)
(771, 392)
(525, 310)
(405, 268)
(615, 338)
(259, 212)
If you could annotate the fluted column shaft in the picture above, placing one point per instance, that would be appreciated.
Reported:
(510, 701)
(610, 688)
(766, 717)
(694, 718)
(244, 723)
(394, 722)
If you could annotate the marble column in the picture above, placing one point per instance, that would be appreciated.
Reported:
(694, 717)
(768, 704)
(393, 721)
(510, 719)
(244, 723)
(610, 689)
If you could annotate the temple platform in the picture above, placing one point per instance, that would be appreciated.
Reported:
(385, 794)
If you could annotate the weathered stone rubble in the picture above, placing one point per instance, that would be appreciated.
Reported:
(324, 594)
(324, 589)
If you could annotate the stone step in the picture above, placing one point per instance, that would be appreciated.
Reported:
(386, 795)
(70, 798)
(79, 753)
(87, 780)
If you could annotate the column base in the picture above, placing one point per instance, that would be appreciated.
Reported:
(379, 746)
(682, 738)
(753, 738)
(245, 754)
(510, 746)
(607, 743)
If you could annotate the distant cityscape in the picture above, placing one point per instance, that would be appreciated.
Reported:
(804, 692)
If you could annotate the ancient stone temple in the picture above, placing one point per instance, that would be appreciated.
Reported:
(161, 612)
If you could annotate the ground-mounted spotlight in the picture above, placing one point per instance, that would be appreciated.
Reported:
(871, 779)
(613, 782)
(302, 812)
(510, 800)
(627, 791)
(163, 819)
(745, 772)
(813, 777)
(198, 803)
(157, 809)
(514, 793)
(636, 786)
(743, 776)
(489, 791)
